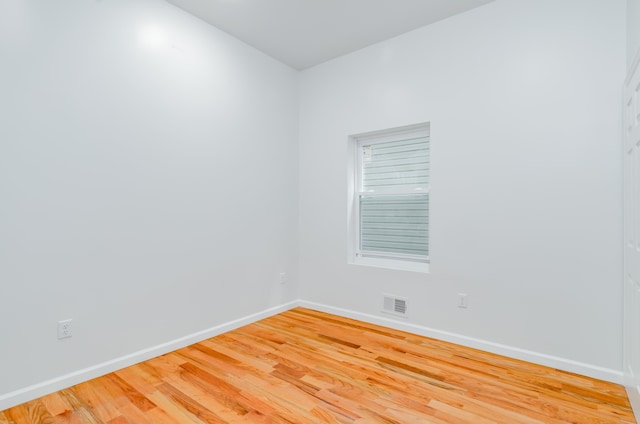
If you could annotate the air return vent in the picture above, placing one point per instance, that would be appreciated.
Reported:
(395, 305)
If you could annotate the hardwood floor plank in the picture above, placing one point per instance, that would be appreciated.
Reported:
(55, 404)
(17, 414)
(308, 366)
(217, 388)
(120, 387)
(129, 412)
(135, 377)
(173, 412)
(3, 418)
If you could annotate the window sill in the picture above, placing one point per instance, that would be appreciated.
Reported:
(391, 264)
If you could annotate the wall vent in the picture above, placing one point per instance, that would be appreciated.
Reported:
(394, 305)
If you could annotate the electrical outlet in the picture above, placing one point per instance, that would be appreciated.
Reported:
(283, 278)
(463, 300)
(64, 329)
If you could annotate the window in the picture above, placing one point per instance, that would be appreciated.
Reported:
(390, 213)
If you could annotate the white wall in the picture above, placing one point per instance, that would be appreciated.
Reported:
(149, 190)
(523, 97)
(633, 30)
(148, 181)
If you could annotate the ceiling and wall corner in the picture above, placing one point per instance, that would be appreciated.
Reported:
(305, 33)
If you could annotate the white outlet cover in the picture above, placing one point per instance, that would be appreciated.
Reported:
(463, 300)
(64, 329)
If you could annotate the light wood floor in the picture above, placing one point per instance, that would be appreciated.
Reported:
(304, 366)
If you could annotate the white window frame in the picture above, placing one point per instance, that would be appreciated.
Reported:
(357, 256)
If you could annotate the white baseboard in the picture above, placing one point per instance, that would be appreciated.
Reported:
(633, 390)
(589, 370)
(37, 390)
(634, 398)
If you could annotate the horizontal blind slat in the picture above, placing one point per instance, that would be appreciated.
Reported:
(421, 161)
(396, 165)
(395, 223)
(406, 142)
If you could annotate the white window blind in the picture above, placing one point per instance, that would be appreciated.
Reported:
(393, 200)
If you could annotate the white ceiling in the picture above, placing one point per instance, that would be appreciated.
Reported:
(304, 33)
